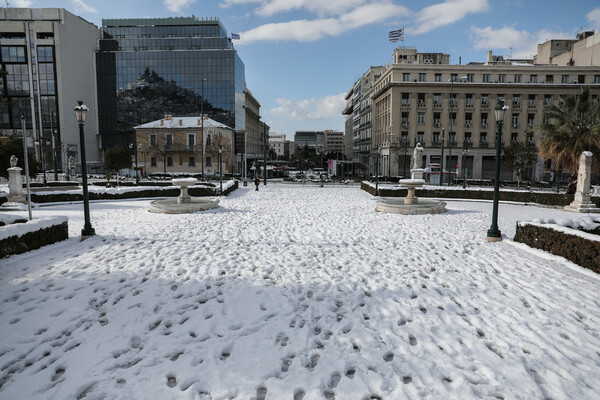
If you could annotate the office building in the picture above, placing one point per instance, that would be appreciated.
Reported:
(147, 67)
(48, 56)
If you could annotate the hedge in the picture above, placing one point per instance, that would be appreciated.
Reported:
(549, 199)
(171, 192)
(577, 249)
(33, 240)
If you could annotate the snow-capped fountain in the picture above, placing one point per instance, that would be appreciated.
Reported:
(411, 204)
(184, 203)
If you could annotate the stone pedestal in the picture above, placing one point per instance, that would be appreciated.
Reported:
(411, 197)
(417, 173)
(583, 202)
(184, 197)
(15, 185)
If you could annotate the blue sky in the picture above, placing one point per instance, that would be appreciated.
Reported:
(302, 56)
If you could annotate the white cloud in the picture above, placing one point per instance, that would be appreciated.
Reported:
(309, 109)
(269, 8)
(311, 30)
(177, 5)
(594, 17)
(523, 43)
(448, 12)
(21, 3)
(82, 7)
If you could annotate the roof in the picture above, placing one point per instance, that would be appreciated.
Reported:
(169, 21)
(186, 123)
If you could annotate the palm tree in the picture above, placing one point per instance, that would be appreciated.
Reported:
(573, 127)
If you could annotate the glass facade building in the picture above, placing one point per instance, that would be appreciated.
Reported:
(150, 67)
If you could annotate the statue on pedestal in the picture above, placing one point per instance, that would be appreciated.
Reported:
(417, 157)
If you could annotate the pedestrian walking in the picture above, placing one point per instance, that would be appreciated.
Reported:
(257, 182)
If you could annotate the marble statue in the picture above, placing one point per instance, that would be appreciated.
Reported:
(417, 157)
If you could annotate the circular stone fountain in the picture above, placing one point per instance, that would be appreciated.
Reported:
(411, 205)
(184, 203)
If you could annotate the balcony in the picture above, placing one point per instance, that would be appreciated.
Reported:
(531, 106)
(421, 104)
(485, 105)
(516, 105)
(405, 103)
(469, 105)
(484, 145)
(437, 104)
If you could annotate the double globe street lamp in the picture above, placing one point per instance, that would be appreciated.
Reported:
(494, 234)
(80, 114)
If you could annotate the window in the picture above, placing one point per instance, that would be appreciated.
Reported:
(421, 99)
(438, 77)
(468, 119)
(515, 120)
(502, 78)
(153, 140)
(168, 140)
(208, 161)
(518, 78)
(533, 78)
(153, 161)
(169, 161)
(529, 139)
(13, 54)
(406, 77)
(422, 77)
(192, 161)
(453, 118)
(437, 119)
(469, 100)
(531, 101)
(514, 137)
(485, 100)
(564, 79)
(516, 101)
(547, 99)
(453, 100)
(421, 137)
(453, 77)
(209, 140)
(405, 99)
(484, 121)
(596, 78)
(549, 78)
(470, 77)
(436, 137)
(530, 120)
(486, 78)
(452, 137)
(191, 141)
(467, 137)
(483, 137)
(421, 118)
(437, 99)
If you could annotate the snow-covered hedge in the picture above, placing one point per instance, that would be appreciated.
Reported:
(574, 244)
(457, 192)
(17, 238)
(102, 193)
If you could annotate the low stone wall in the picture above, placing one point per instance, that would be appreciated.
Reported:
(23, 237)
(542, 198)
(573, 246)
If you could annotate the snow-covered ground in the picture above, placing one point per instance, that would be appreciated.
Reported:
(296, 292)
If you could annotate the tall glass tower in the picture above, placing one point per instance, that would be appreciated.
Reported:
(150, 67)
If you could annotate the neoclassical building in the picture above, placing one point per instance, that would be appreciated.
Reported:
(176, 144)
(433, 104)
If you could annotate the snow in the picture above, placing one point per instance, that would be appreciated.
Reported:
(21, 229)
(295, 292)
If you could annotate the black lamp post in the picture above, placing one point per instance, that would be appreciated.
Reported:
(494, 234)
(54, 157)
(80, 113)
(442, 159)
(220, 171)
(405, 145)
(464, 162)
(377, 172)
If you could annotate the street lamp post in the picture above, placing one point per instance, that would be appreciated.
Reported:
(494, 234)
(202, 129)
(54, 157)
(441, 183)
(26, 162)
(220, 171)
(405, 145)
(464, 162)
(80, 114)
(377, 171)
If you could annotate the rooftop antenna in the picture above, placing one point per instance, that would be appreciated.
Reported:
(7, 5)
(510, 49)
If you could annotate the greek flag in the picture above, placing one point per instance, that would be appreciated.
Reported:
(397, 35)
(235, 36)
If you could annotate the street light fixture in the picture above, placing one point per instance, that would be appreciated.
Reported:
(494, 234)
(80, 114)
(220, 171)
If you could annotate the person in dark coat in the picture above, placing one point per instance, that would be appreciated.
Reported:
(257, 182)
